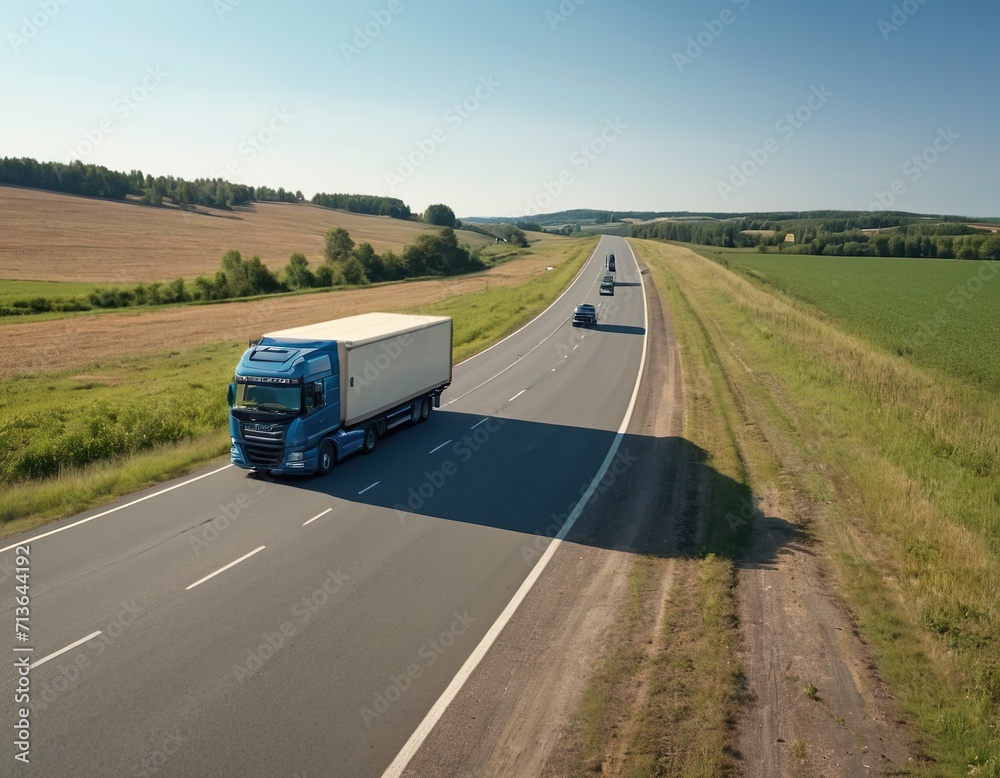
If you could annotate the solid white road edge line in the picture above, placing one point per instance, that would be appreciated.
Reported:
(527, 324)
(318, 516)
(512, 364)
(112, 510)
(223, 569)
(62, 651)
(530, 350)
(417, 739)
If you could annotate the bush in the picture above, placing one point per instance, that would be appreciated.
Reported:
(111, 297)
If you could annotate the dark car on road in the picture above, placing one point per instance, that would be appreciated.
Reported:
(609, 261)
(585, 315)
(608, 285)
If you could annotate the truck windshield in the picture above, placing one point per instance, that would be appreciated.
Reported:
(278, 399)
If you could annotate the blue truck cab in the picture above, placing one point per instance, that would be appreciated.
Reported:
(285, 402)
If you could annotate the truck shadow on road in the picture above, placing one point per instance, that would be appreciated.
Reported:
(654, 495)
(620, 329)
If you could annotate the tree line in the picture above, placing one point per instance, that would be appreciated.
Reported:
(837, 236)
(370, 204)
(79, 178)
(344, 264)
(436, 254)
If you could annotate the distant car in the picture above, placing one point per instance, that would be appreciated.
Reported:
(585, 315)
(609, 262)
(608, 285)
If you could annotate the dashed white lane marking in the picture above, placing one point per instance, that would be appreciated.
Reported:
(223, 569)
(318, 516)
(62, 651)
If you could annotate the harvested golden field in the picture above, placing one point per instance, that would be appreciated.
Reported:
(979, 226)
(78, 341)
(49, 236)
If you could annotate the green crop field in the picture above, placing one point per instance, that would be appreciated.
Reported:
(20, 290)
(888, 464)
(11, 291)
(940, 313)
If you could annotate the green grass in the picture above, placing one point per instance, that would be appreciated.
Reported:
(684, 724)
(58, 421)
(940, 313)
(35, 298)
(54, 290)
(892, 465)
(73, 439)
(596, 720)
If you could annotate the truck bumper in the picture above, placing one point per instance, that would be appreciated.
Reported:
(307, 465)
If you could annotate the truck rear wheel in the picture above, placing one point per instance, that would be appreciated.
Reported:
(371, 436)
(425, 408)
(327, 457)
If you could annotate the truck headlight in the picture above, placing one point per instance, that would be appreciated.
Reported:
(296, 456)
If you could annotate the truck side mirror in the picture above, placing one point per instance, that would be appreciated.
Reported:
(231, 395)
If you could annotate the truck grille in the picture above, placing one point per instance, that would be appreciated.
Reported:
(263, 444)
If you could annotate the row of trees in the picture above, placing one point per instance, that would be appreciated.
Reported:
(944, 240)
(728, 234)
(74, 178)
(98, 181)
(344, 264)
(858, 244)
(79, 178)
(370, 204)
(438, 254)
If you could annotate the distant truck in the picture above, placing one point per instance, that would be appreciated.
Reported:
(302, 399)
(609, 262)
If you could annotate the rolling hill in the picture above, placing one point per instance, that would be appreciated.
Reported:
(50, 236)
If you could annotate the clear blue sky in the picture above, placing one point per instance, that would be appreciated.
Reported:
(701, 106)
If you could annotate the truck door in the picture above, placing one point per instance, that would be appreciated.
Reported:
(315, 407)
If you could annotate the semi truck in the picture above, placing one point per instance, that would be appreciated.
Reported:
(304, 398)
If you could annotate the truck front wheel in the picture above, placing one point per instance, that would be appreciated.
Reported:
(371, 436)
(425, 408)
(327, 458)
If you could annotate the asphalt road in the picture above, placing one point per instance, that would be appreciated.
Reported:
(340, 608)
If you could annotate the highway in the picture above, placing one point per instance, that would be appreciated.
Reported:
(227, 625)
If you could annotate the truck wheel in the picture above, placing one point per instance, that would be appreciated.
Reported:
(371, 435)
(425, 408)
(327, 457)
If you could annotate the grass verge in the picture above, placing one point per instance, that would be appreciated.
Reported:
(666, 693)
(598, 719)
(684, 723)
